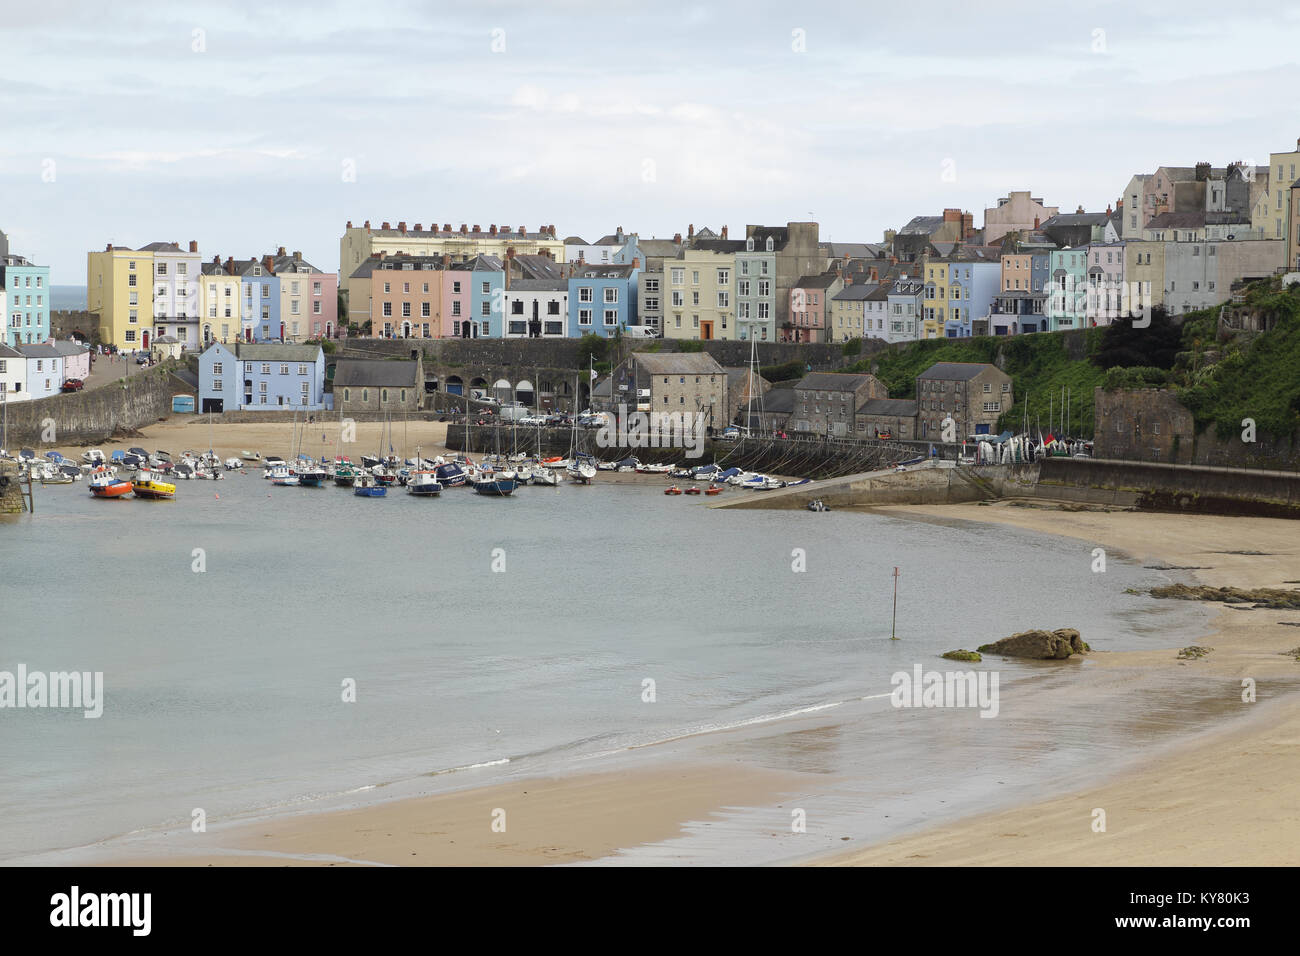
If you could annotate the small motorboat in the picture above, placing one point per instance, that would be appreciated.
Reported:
(693, 491)
(423, 484)
(497, 487)
(344, 474)
(247, 455)
(233, 464)
(105, 484)
(146, 485)
(546, 478)
(713, 490)
(365, 486)
(672, 490)
(286, 481)
(450, 474)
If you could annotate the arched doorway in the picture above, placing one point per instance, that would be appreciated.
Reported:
(406, 330)
(502, 391)
(524, 393)
(455, 386)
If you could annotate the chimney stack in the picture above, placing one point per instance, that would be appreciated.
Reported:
(280, 251)
(477, 230)
(446, 227)
(297, 257)
(677, 238)
(690, 232)
(349, 223)
(636, 262)
(367, 225)
(492, 229)
(419, 227)
(724, 232)
(401, 227)
(1035, 222)
(194, 245)
(216, 260)
(108, 247)
(464, 229)
(522, 231)
(387, 226)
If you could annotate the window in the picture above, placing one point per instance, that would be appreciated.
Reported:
(724, 277)
(611, 318)
(487, 288)
(406, 310)
(455, 308)
(266, 368)
(677, 276)
(611, 295)
(284, 368)
(388, 308)
(262, 387)
(424, 310)
(485, 308)
(585, 294)
(724, 300)
(584, 316)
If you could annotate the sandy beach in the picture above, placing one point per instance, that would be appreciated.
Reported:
(1231, 798)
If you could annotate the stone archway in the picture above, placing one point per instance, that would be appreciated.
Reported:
(455, 386)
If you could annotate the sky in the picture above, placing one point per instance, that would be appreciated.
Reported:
(252, 126)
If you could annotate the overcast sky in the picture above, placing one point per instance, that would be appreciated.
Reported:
(252, 126)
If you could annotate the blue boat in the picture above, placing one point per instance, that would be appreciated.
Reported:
(497, 487)
(365, 486)
(450, 475)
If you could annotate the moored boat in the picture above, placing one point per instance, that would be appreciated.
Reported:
(692, 490)
(146, 485)
(672, 490)
(107, 485)
(423, 484)
(713, 490)
(496, 487)
(365, 486)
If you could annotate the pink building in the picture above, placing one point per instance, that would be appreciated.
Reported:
(457, 301)
(808, 308)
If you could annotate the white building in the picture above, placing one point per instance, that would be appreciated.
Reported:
(536, 308)
(176, 283)
(13, 375)
(904, 308)
(44, 370)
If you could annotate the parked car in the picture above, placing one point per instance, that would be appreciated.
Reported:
(73, 385)
(142, 359)
(731, 433)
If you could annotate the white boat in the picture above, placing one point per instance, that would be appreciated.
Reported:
(423, 484)
(234, 464)
(277, 472)
(546, 477)
(93, 457)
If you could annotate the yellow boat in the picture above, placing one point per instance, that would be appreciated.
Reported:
(146, 485)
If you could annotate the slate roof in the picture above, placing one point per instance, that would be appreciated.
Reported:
(954, 371)
(658, 248)
(824, 281)
(1076, 219)
(832, 381)
(538, 285)
(539, 267)
(780, 235)
(373, 373)
(677, 363)
(160, 247)
(778, 401)
(854, 293)
(922, 226)
(1177, 220)
(275, 352)
(41, 351)
(603, 272)
(68, 348)
(719, 245)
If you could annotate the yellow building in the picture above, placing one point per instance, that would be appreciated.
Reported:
(359, 243)
(119, 289)
(1283, 171)
(1144, 275)
(700, 293)
(934, 301)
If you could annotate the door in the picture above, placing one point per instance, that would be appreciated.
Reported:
(706, 331)
(145, 340)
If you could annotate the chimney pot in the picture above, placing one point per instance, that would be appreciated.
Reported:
(401, 226)
(464, 229)
(724, 232)
(523, 231)
(677, 238)
(387, 226)
(280, 251)
(690, 231)
(476, 228)
(194, 245)
(349, 223)
(446, 227)
(492, 229)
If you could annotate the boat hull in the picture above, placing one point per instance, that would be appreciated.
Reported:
(114, 490)
(497, 488)
(376, 491)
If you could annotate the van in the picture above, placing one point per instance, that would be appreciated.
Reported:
(642, 332)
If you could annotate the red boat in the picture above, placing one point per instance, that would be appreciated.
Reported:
(107, 486)
(692, 491)
(674, 490)
(713, 490)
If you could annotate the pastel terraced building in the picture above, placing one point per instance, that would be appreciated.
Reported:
(971, 290)
(1108, 298)
(602, 299)
(399, 295)
(25, 288)
(1015, 212)
(1067, 297)
(244, 376)
(119, 290)
(359, 243)
(702, 292)
(219, 295)
(176, 288)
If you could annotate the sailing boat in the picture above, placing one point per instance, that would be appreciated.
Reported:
(423, 482)
(582, 468)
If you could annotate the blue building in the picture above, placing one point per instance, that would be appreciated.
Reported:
(602, 299)
(244, 376)
(971, 290)
(487, 295)
(44, 369)
(27, 298)
(259, 298)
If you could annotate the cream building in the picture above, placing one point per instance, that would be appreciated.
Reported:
(699, 292)
(219, 304)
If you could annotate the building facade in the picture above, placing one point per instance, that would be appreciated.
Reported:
(973, 394)
(826, 403)
(26, 309)
(244, 376)
(602, 299)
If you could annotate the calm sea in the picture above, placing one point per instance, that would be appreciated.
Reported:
(223, 688)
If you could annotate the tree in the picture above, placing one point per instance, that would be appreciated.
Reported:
(1153, 346)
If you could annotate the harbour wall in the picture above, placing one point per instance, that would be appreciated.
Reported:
(11, 498)
(94, 415)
